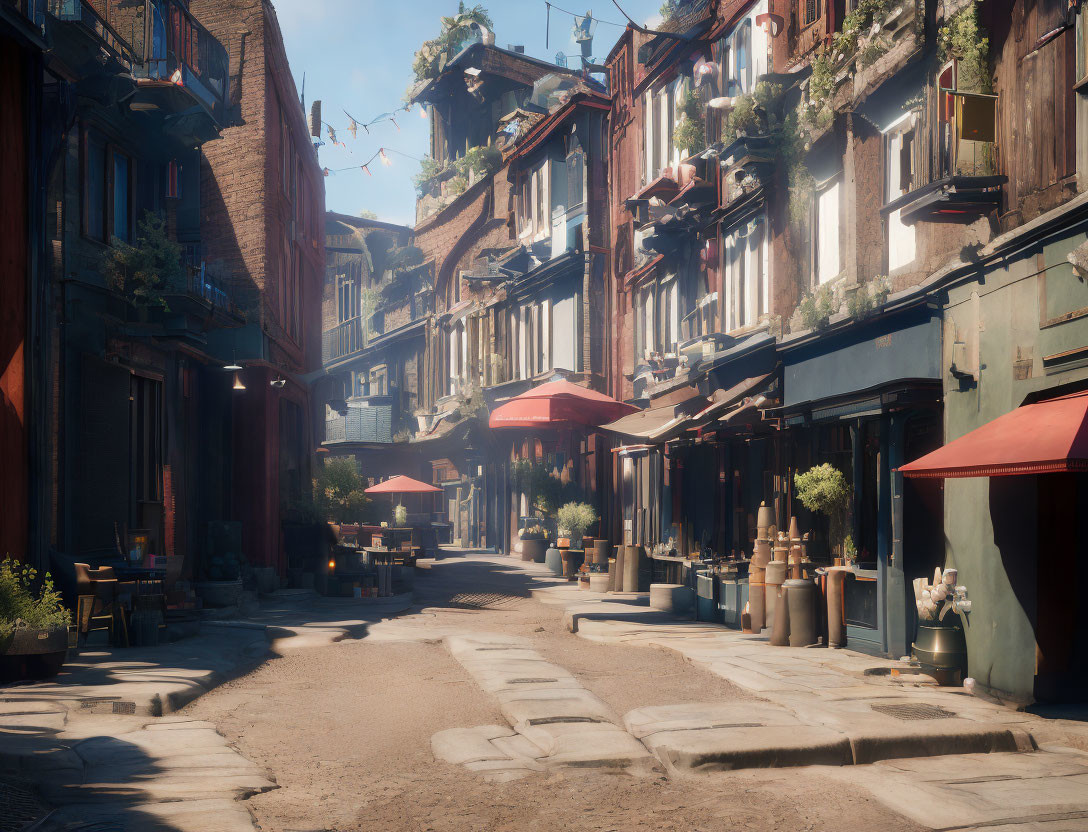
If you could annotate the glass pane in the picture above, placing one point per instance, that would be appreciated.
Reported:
(120, 197)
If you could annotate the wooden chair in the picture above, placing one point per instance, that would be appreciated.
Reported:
(96, 591)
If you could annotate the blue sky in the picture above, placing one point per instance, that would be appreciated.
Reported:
(357, 56)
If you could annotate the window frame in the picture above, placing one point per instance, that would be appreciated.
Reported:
(899, 238)
(110, 149)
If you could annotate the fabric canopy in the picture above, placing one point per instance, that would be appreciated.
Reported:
(558, 402)
(1047, 437)
(402, 485)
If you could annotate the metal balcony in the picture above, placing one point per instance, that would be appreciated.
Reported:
(33, 11)
(118, 25)
(185, 64)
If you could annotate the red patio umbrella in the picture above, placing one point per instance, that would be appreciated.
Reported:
(402, 485)
(556, 403)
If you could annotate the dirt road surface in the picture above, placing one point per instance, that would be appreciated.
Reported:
(346, 732)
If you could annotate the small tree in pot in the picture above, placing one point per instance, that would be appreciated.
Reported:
(824, 489)
(574, 519)
(33, 624)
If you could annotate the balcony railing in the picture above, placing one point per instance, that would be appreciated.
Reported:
(343, 340)
(204, 285)
(185, 53)
(32, 10)
(120, 25)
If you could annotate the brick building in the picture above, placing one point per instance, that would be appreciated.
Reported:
(262, 218)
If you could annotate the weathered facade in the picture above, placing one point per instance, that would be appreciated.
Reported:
(142, 274)
(262, 217)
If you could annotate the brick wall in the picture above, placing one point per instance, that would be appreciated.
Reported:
(248, 220)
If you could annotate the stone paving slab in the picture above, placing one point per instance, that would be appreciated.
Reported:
(1046, 790)
(100, 739)
(556, 723)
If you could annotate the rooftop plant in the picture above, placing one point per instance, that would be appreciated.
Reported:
(428, 60)
(964, 38)
(26, 601)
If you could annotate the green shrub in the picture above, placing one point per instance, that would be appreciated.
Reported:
(144, 271)
(21, 605)
(339, 494)
(823, 489)
(482, 160)
(575, 518)
(690, 132)
(816, 310)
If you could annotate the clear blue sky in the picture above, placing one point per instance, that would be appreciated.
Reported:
(357, 56)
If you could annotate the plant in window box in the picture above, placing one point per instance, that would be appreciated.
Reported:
(816, 309)
(33, 624)
(144, 272)
(456, 186)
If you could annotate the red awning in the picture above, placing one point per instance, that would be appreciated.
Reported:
(1048, 437)
(402, 485)
(555, 403)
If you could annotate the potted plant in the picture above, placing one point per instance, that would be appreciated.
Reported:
(222, 569)
(33, 624)
(575, 517)
(824, 489)
(534, 542)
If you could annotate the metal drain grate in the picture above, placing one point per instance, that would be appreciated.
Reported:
(483, 600)
(916, 711)
(18, 806)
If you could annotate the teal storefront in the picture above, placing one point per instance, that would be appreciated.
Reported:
(865, 396)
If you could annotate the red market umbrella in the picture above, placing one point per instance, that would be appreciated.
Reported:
(556, 403)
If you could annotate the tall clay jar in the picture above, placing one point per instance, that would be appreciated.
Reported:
(600, 552)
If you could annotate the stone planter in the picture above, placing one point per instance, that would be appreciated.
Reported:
(32, 653)
(553, 559)
(572, 562)
(534, 550)
(219, 593)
